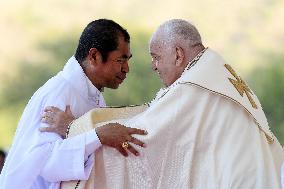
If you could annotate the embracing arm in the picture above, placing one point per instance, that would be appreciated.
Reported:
(111, 134)
(79, 148)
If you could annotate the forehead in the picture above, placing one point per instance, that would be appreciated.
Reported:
(158, 41)
(123, 48)
(155, 45)
(158, 47)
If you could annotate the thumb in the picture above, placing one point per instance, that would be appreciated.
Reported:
(68, 110)
(46, 129)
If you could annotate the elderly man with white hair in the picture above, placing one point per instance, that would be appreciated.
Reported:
(206, 128)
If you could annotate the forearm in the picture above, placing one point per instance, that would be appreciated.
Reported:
(67, 158)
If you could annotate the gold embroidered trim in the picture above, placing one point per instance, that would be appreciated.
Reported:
(241, 85)
(269, 139)
(126, 106)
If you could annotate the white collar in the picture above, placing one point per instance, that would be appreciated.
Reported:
(93, 92)
(75, 75)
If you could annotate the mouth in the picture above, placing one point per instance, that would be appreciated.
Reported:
(120, 78)
(159, 73)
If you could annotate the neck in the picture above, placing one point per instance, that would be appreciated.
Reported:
(96, 83)
(90, 75)
(194, 51)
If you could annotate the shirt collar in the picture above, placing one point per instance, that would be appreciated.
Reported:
(75, 75)
(93, 92)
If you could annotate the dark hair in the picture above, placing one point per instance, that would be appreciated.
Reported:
(2, 153)
(101, 34)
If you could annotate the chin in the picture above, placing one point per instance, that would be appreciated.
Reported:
(166, 83)
(169, 81)
(113, 86)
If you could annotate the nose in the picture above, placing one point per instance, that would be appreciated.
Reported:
(125, 67)
(154, 66)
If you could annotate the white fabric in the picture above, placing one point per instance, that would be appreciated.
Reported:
(213, 65)
(41, 160)
(282, 175)
(197, 138)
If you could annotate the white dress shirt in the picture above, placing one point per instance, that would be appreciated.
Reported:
(39, 160)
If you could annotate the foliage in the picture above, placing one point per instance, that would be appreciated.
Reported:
(268, 83)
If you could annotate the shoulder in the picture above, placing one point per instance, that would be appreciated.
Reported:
(55, 92)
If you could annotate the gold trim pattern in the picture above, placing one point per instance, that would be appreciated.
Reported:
(269, 139)
(241, 85)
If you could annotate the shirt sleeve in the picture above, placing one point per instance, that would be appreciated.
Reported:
(68, 159)
(71, 158)
(45, 154)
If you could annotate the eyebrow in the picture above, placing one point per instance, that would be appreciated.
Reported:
(126, 57)
(153, 54)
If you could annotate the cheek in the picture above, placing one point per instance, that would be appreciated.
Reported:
(165, 67)
(167, 73)
(116, 68)
(112, 70)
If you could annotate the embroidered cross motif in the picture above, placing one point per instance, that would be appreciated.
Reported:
(241, 86)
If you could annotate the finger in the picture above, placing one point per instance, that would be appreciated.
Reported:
(137, 131)
(44, 120)
(48, 114)
(133, 150)
(51, 109)
(137, 142)
(68, 110)
(122, 151)
(116, 125)
(43, 116)
(47, 120)
(46, 129)
(48, 108)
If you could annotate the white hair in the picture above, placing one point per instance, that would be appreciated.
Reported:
(179, 30)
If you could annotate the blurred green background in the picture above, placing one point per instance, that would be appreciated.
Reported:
(38, 37)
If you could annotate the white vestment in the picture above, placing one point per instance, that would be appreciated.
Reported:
(282, 175)
(40, 160)
(202, 134)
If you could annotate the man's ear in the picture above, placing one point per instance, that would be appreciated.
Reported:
(94, 56)
(179, 56)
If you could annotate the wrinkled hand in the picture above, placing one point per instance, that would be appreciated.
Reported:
(114, 135)
(57, 119)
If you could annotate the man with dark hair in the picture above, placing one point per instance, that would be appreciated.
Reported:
(94, 35)
(39, 160)
(2, 159)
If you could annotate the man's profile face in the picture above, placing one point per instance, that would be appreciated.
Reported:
(113, 72)
(163, 61)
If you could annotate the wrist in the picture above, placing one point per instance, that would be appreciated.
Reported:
(99, 134)
(70, 121)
